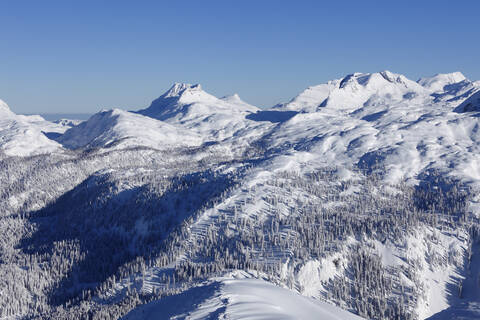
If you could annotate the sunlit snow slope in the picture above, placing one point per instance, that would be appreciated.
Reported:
(362, 192)
(190, 107)
(238, 299)
(385, 119)
(22, 135)
(122, 128)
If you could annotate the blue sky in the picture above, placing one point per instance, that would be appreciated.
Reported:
(83, 56)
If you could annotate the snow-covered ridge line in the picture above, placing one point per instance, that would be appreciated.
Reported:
(361, 192)
(239, 299)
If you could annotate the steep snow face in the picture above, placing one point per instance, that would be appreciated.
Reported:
(239, 299)
(118, 128)
(22, 135)
(472, 104)
(354, 91)
(191, 107)
(439, 81)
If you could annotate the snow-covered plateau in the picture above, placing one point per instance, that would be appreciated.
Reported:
(358, 198)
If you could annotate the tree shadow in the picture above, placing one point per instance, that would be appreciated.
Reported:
(464, 311)
(466, 306)
(90, 231)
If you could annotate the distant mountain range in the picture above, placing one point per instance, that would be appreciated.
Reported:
(360, 194)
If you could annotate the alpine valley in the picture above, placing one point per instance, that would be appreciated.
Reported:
(359, 198)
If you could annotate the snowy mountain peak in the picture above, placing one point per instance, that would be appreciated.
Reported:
(373, 80)
(393, 77)
(354, 91)
(440, 80)
(172, 102)
(179, 88)
(233, 97)
(4, 109)
(191, 107)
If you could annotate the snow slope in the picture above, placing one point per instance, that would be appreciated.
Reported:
(194, 109)
(383, 119)
(438, 82)
(239, 299)
(384, 123)
(354, 91)
(125, 129)
(22, 135)
(311, 158)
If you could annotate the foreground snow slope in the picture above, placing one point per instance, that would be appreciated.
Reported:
(239, 299)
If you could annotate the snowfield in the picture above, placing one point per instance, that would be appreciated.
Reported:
(239, 299)
(358, 198)
(22, 135)
(122, 129)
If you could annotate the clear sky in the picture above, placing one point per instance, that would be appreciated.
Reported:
(83, 56)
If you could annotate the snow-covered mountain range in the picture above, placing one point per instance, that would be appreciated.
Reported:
(360, 194)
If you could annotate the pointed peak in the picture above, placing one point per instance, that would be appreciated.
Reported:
(372, 79)
(390, 76)
(179, 88)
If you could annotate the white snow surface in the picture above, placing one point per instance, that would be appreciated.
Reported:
(366, 120)
(125, 129)
(381, 118)
(194, 109)
(22, 135)
(439, 81)
(354, 91)
(239, 299)
(363, 120)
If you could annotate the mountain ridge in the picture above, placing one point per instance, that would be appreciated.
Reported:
(361, 192)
